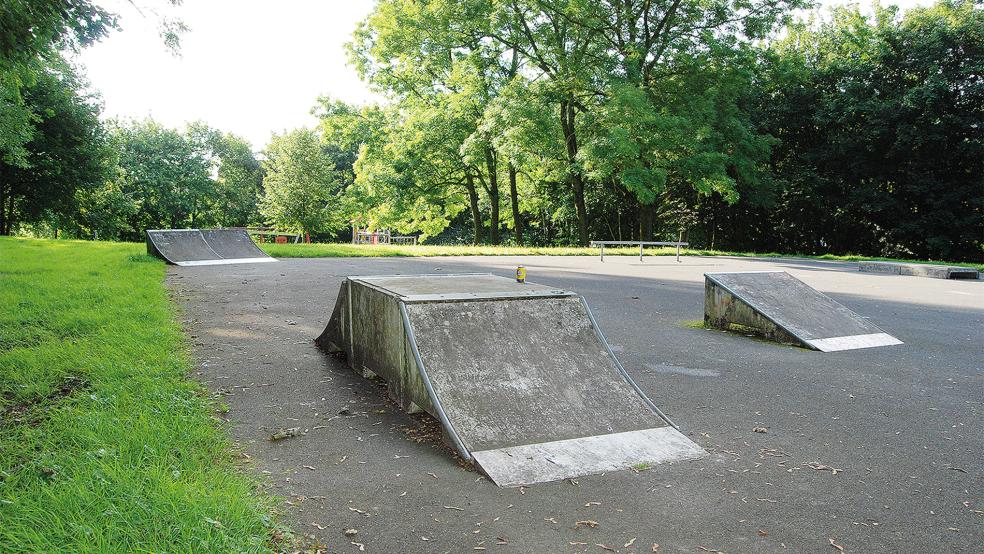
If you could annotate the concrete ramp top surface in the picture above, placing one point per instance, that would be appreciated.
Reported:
(786, 309)
(191, 247)
(519, 374)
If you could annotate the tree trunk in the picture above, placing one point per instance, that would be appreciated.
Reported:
(10, 214)
(476, 215)
(645, 222)
(514, 197)
(492, 166)
(3, 198)
(567, 115)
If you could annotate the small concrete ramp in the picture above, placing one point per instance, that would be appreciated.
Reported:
(519, 374)
(190, 247)
(783, 308)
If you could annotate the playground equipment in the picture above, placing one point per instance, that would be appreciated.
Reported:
(385, 236)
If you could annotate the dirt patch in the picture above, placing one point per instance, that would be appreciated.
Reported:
(34, 410)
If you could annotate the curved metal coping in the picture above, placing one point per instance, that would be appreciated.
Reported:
(441, 415)
(618, 365)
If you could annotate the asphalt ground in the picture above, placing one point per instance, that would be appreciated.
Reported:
(873, 450)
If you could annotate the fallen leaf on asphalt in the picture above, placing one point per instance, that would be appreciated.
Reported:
(424, 539)
(760, 430)
(952, 528)
(362, 547)
(522, 490)
(315, 524)
(350, 532)
(577, 543)
(762, 533)
(822, 467)
(835, 545)
(960, 469)
(501, 540)
(358, 511)
(592, 504)
(630, 543)
(604, 547)
(285, 433)
(312, 468)
(551, 520)
(767, 500)
(432, 475)
(655, 546)
(587, 522)
(709, 550)
(454, 508)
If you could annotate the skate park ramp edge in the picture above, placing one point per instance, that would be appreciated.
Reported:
(519, 375)
(195, 247)
(786, 309)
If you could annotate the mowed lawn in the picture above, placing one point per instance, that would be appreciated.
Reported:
(105, 444)
(343, 250)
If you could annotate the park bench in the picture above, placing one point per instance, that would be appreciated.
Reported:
(642, 244)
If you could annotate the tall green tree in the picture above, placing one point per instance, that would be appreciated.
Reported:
(64, 154)
(302, 190)
(880, 120)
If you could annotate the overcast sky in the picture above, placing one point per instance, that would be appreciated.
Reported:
(251, 67)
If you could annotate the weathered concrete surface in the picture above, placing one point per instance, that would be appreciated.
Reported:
(511, 366)
(893, 420)
(191, 247)
(783, 308)
(919, 270)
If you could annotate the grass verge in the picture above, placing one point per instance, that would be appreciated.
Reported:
(105, 445)
(343, 250)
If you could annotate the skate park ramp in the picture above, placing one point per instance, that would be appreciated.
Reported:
(191, 247)
(785, 309)
(519, 374)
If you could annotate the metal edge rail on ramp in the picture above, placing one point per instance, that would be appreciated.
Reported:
(194, 247)
(783, 308)
(520, 376)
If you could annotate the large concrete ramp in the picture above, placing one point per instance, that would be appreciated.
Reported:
(785, 309)
(519, 374)
(190, 247)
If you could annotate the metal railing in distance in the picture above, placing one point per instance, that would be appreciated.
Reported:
(642, 244)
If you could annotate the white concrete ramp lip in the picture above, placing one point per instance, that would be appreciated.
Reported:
(833, 344)
(551, 461)
(783, 308)
(226, 262)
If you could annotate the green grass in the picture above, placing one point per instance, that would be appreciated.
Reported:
(343, 250)
(105, 445)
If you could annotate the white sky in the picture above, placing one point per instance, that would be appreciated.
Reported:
(251, 67)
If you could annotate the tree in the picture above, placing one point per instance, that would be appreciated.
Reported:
(166, 173)
(63, 154)
(302, 189)
(880, 121)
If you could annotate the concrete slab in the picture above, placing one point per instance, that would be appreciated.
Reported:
(919, 270)
(783, 308)
(197, 247)
(251, 329)
(512, 371)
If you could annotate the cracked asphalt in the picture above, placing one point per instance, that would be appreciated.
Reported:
(874, 450)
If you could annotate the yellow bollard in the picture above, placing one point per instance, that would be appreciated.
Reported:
(520, 274)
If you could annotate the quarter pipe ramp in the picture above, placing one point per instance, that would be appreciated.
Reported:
(189, 247)
(785, 309)
(520, 375)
